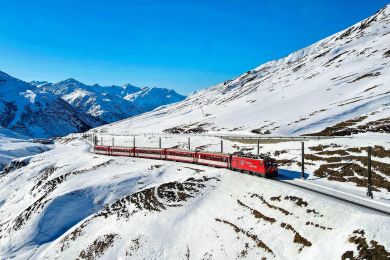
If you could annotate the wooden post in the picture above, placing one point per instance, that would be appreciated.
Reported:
(221, 146)
(303, 161)
(258, 147)
(101, 140)
(189, 143)
(369, 175)
(113, 141)
(159, 142)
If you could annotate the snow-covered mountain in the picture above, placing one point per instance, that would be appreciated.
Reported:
(112, 103)
(30, 111)
(69, 203)
(42, 109)
(337, 86)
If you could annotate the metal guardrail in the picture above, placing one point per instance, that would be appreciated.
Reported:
(227, 136)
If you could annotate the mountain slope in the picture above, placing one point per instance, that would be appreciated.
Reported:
(13, 145)
(110, 104)
(71, 204)
(30, 111)
(343, 77)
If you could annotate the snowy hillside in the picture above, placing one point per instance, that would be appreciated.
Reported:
(69, 203)
(337, 86)
(13, 146)
(28, 110)
(113, 103)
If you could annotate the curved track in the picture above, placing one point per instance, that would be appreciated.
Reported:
(365, 203)
(368, 204)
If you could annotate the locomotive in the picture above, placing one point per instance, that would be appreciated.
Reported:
(258, 165)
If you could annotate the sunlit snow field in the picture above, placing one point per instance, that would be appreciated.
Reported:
(69, 202)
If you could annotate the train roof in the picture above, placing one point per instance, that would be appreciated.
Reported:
(150, 148)
(120, 147)
(181, 150)
(253, 156)
(214, 153)
(238, 154)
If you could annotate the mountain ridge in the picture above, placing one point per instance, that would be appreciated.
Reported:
(43, 109)
(30, 111)
(111, 103)
(333, 80)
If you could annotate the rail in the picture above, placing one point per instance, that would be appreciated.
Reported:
(346, 197)
(349, 198)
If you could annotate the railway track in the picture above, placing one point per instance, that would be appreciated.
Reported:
(365, 203)
(348, 198)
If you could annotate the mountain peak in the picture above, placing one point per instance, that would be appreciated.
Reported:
(71, 81)
(335, 79)
(38, 82)
(130, 87)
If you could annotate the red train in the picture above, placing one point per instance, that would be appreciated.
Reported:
(263, 166)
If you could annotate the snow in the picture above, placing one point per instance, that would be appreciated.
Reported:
(292, 152)
(175, 229)
(69, 203)
(111, 103)
(14, 146)
(42, 109)
(333, 80)
(29, 111)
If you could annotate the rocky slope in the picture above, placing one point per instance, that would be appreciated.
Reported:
(340, 83)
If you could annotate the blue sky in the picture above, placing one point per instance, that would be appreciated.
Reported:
(184, 45)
